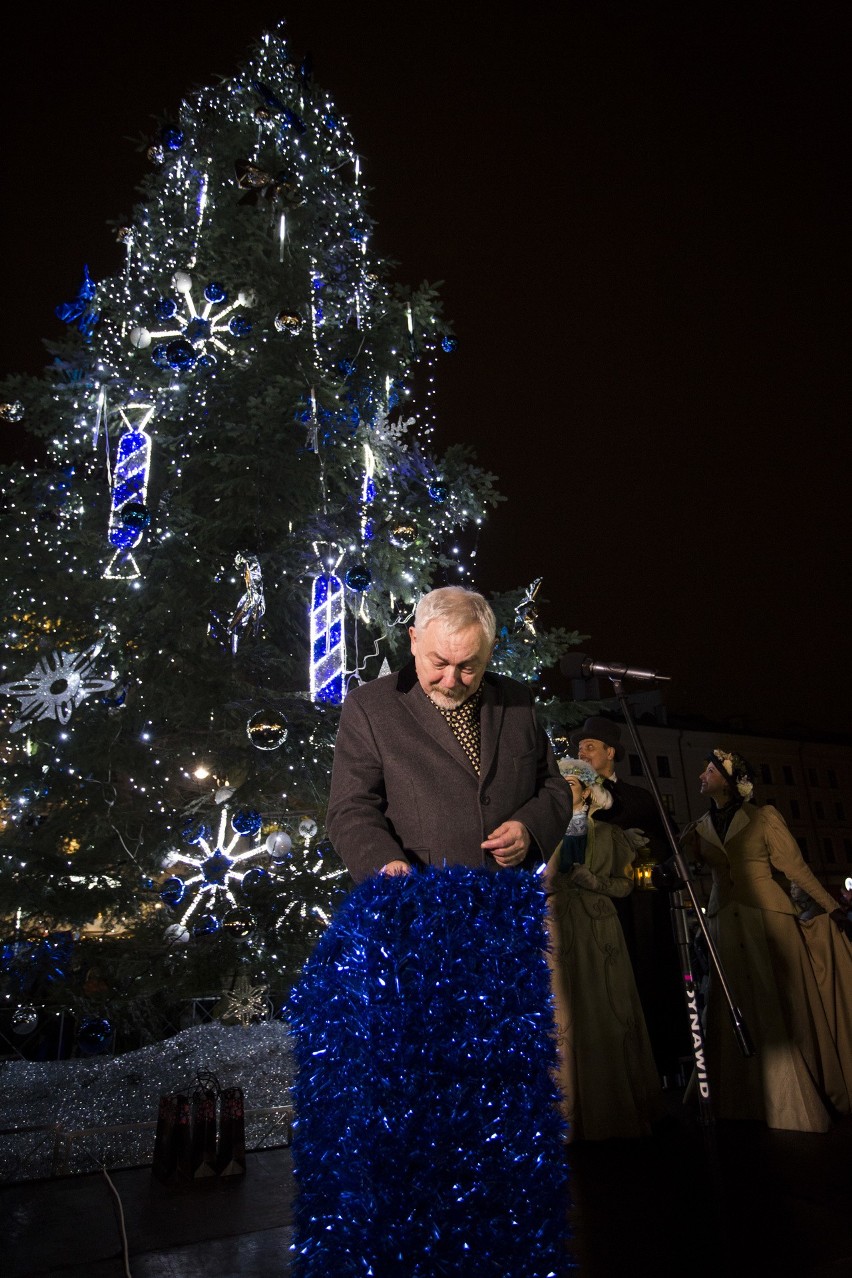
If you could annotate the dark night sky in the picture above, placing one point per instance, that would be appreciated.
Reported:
(640, 214)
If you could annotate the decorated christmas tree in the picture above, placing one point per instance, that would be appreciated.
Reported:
(236, 506)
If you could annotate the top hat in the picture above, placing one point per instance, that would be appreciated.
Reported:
(599, 729)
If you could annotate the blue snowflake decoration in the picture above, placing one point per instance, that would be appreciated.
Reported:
(193, 332)
(219, 872)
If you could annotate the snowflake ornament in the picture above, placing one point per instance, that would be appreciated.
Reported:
(191, 335)
(245, 1003)
(56, 685)
(219, 870)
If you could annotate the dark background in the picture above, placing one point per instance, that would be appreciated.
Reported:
(640, 213)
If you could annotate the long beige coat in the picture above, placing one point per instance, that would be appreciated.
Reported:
(785, 977)
(609, 1083)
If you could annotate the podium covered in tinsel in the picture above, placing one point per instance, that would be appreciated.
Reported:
(428, 1138)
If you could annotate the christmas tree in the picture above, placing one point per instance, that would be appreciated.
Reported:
(237, 506)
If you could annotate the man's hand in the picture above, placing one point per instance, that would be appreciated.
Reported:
(396, 867)
(509, 843)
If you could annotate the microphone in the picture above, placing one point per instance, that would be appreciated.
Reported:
(576, 665)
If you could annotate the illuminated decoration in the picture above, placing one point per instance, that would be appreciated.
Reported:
(246, 1003)
(13, 412)
(193, 331)
(56, 685)
(526, 613)
(368, 489)
(328, 648)
(129, 490)
(219, 871)
(250, 608)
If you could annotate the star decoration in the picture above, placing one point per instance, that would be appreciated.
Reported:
(56, 685)
(219, 869)
(245, 1003)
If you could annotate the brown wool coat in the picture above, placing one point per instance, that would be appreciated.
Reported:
(402, 787)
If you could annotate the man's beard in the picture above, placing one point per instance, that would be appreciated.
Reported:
(446, 701)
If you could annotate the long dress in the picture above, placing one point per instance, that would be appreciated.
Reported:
(792, 981)
(607, 1076)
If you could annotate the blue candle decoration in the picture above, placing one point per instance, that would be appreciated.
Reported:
(328, 649)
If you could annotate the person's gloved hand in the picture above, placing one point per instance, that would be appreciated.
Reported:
(665, 877)
(839, 917)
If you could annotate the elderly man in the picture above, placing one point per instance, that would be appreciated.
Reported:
(445, 762)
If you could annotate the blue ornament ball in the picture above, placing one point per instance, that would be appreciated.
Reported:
(171, 893)
(358, 578)
(206, 925)
(439, 492)
(94, 1034)
(160, 356)
(255, 880)
(206, 362)
(194, 831)
(239, 326)
(246, 821)
(180, 355)
(215, 293)
(135, 515)
(165, 309)
(172, 138)
(449, 344)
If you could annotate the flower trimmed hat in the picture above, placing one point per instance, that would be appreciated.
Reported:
(737, 772)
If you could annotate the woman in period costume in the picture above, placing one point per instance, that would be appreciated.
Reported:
(609, 1082)
(792, 980)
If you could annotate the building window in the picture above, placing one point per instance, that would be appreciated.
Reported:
(812, 776)
(664, 768)
(668, 804)
(828, 850)
(803, 846)
(766, 774)
(847, 849)
(795, 810)
(819, 810)
(635, 765)
(788, 774)
(832, 779)
(840, 811)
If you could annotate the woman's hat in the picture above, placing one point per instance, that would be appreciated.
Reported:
(599, 729)
(736, 771)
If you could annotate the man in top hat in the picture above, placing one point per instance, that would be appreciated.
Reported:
(645, 917)
(598, 742)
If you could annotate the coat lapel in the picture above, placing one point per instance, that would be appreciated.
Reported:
(490, 723)
(739, 821)
(707, 830)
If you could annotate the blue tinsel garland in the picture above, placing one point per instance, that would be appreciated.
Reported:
(428, 1139)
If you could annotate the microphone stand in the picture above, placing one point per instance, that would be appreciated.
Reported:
(678, 912)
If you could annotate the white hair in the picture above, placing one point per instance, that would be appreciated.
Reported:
(458, 609)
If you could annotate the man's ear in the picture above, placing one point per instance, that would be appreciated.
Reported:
(412, 634)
